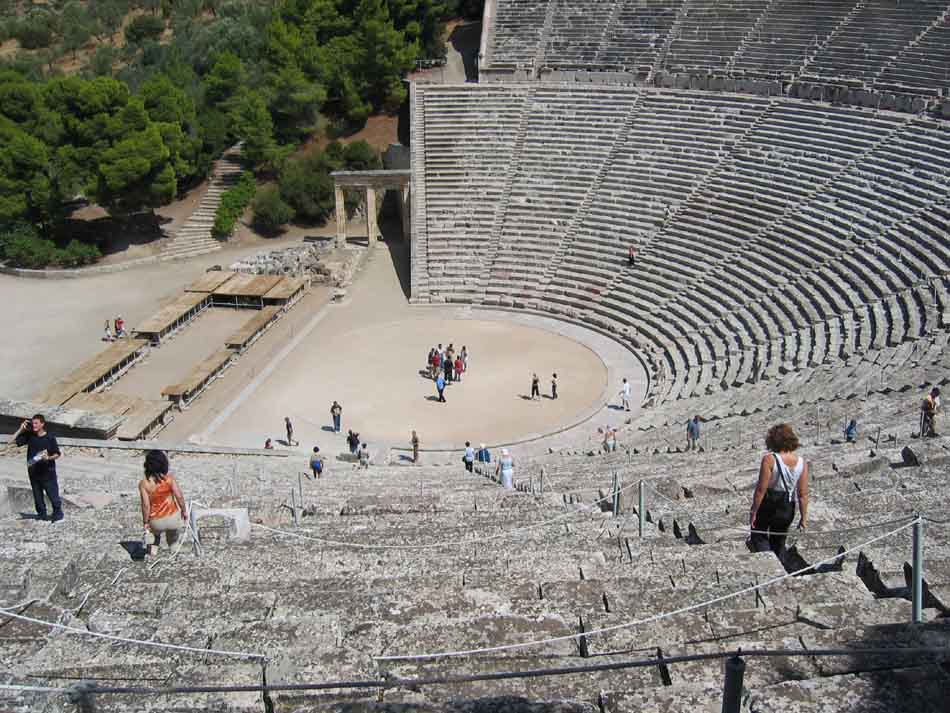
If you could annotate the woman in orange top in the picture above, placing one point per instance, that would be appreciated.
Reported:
(163, 505)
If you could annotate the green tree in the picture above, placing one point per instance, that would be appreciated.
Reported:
(226, 77)
(252, 123)
(78, 27)
(144, 27)
(360, 156)
(108, 15)
(294, 102)
(306, 186)
(24, 185)
(270, 211)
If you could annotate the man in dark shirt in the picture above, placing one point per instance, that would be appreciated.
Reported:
(42, 451)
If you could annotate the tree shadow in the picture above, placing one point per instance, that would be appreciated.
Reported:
(465, 40)
(399, 254)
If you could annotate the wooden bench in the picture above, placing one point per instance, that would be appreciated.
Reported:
(184, 392)
(172, 316)
(101, 370)
(252, 329)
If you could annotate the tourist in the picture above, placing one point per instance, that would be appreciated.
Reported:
(42, 452)
(482, 457)
(851, 431)
(464, 355)
(435, 363)
(440, 387)
(441, 358)
(535, 387)
(290, 432)
(928, 413)
(610, 439)
(554, 386)
(414, 441)
(353, 441)
(631, 256)
(364, 457)
(268, 445)
(449, 366)
(119, 327)
(505, 470)
(625, 395)
(107, 332)
(783, 480)
(163, 505)
(692, 433)
(336, 412)
(459, 368)
(316, 463)
(469, 458)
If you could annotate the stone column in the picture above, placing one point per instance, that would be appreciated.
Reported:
(340, 217)
(371, 228)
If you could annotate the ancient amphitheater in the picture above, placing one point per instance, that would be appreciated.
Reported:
(782, 170)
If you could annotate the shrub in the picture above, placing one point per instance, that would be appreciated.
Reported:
(306, 185)
(144, 27)
(21, 246)
(270, 212)
(233, 202)
(34, 31)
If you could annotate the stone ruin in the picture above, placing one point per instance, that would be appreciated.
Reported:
(315, 260)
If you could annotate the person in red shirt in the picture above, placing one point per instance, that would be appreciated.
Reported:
(434, 363)
(459, 368)
(631, 256)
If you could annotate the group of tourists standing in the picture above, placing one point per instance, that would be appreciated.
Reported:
(446, 366)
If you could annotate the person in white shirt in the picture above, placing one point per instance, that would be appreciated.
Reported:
(625, 395)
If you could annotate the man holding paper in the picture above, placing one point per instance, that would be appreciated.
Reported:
(42, 450)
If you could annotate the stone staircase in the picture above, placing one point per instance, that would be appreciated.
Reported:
(194, 237)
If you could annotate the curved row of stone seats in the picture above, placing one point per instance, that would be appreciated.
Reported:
(320, 612)
(461, 196)
(636, 33)
(787, 35)
(900, 46)
(576, 30)
(568, 139)
(922, 64)
(873, 35)
(516, 31)
(710, 32)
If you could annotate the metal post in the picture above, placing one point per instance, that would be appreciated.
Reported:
(732, 685)
(916, 589)
(617, 496)
(300, 488)
(817, 424)
(541, 483)
(293, 506)
(641, 507)
(614, 498)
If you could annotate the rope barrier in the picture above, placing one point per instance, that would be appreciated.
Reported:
(647, 620)
(451, 543)
(396, 682)
(136, 642)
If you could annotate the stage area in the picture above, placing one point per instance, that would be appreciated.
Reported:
(369, 354)
(377, 380)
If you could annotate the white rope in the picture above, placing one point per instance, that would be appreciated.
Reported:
(33, 689)
(137, 642)
(647, 620)
(450, 543)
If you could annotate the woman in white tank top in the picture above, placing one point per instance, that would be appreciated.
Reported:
(783, 482)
